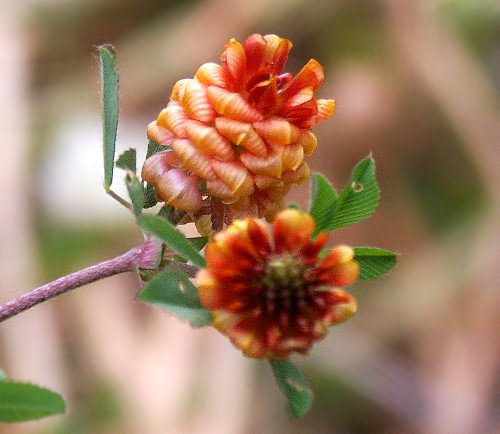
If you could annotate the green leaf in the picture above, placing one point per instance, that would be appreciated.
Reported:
(198, 242)
(294, 386)
(21, 402)
(174, 292)
(359, 199)
(149, 196)
(128, 160)
(154, 147)
(3, 376)
(323, 202)
(374, 261)
(136, 193)
(109, 78)
(172, 237)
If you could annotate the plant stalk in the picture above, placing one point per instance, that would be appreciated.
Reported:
(146, 255)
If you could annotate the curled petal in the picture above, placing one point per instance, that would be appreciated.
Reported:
(160, 135)
(156, 165)
(232, 105)
(221, 191)
(196, 103)
(292, 230)
(173, 117)
(179, 190)
(241, 134)
(264, 95)
(211, 74)
(193, 160)
(255, 46)
(308, 141)
(280, 48)
(326, 109)
(178, 89)
(234, 59)
(311, 75)
(292, 156)
(343, 306)
(297, 176)
(271, 165)
(343, 274)
(209, 290)
(263, 182)
(235, 176)
(337, 255)
(277, 130)
(209, 141)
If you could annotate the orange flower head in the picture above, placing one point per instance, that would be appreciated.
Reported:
(270, 293)
(242, 126)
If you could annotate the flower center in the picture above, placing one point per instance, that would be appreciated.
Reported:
(283, 283)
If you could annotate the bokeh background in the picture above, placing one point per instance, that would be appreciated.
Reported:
(416, 83)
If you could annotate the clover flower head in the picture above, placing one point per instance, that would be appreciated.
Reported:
(269, 291)
(238, 131)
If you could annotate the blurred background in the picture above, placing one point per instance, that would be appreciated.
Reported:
(416, 83)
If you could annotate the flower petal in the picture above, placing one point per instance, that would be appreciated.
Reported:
(193, 160)
(311, 75)
(211, 74)
(209, 141)
(292, 230)
(235, 176)
(270, 165)
(160, 135)
(277, 130)
(232, 105)
(241, 134)
(196, 103)
(234, 59)
(179, 190)
(173, 117)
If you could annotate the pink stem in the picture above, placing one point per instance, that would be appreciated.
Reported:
(145, 255)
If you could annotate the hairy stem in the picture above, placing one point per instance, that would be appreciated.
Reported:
(146, 255)
(119, 199)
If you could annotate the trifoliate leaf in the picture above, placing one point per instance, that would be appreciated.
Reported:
(174, 292)
(294, 386)
(374, 261)
(21, 402)
(109, 78)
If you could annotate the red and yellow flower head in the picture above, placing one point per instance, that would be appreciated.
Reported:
(239, 130)
(269, 291)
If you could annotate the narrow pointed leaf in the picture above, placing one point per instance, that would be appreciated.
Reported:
(172, 237)
(128, 160)
(198, 242)
(22, 401)
(323, 202)
(360, 197)
(109, 79)
(294, 386)
(174, 292)
(374, 261)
